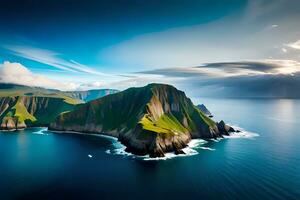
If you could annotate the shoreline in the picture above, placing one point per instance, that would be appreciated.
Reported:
(22, 129)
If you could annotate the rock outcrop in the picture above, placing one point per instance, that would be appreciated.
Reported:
(224, 128)
(203, 108)
(150, 120)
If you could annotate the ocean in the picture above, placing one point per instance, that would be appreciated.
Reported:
(262, 162)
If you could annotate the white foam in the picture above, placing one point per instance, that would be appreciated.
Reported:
(119, 149)
(195, 143)
(41, 131)
(242, 134)
(188, 151)
(216, 140)
(207, 148)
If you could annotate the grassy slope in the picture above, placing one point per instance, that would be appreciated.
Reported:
(20, 111)
(166, 124)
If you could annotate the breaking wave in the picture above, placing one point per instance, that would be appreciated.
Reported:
(242, 134)
(42, 131)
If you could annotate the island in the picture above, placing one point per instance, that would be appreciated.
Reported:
(149, 120)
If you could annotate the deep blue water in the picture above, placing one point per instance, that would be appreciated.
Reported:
(57, 166)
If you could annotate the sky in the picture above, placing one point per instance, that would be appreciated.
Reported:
(213, 48)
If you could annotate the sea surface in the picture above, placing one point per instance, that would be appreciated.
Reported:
(263, 162)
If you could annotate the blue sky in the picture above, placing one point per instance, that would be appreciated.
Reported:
(117, 43)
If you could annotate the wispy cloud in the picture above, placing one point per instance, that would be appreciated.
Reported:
(232, 69)
(51, 58)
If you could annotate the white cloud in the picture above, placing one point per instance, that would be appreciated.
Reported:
(18, 74)
(294, 45)
(284, 66)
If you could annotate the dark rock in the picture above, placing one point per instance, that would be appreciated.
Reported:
(231, 130)
(224, 128)
(156, 153)
(179, 151)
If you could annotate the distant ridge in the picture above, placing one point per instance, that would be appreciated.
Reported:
(9, 89)
(90, 94)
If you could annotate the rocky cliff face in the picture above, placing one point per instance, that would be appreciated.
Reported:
(22, 111)
(150, 120)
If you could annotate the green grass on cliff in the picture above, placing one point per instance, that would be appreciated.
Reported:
(167, 124)
(38, 111)
(21, 113)
(18, 111)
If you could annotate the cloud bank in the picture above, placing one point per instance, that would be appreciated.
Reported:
(16, 73)
(267, 79)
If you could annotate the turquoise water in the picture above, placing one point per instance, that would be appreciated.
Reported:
(38, 164)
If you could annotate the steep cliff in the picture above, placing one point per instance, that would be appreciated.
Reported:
(150, 120)
(18, 112)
